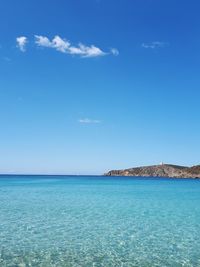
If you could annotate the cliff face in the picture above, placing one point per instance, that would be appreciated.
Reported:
(165, 170)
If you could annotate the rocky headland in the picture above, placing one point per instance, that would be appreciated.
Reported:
(162, 170)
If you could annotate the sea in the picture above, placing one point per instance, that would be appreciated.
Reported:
(83, 221)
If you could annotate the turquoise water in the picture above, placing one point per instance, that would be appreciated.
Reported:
(99, 221)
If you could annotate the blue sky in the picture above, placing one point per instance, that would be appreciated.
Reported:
(88, 86)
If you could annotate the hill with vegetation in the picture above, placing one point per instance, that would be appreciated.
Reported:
(162, 170)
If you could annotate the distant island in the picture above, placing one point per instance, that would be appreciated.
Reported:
(162, 170)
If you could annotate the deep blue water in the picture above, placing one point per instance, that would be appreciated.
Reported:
(99, 221)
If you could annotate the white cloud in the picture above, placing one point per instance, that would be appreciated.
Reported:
(89, 121)
(154, 45)
(58, 43)
(114, 51)
(86, 51)
(64, 46)
(42, 41)
(21, 43)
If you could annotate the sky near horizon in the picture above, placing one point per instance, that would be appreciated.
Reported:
(88, 86)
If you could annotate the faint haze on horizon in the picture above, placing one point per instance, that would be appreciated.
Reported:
(90, 86)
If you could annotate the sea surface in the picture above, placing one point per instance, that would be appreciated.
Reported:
(99, 221)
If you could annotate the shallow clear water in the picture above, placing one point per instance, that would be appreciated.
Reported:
(99, 221)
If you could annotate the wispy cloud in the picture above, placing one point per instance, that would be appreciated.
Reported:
(21, 43)
(64, 46)
(154, 45)
(114, 51)
(88, 121)
(7, 59)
